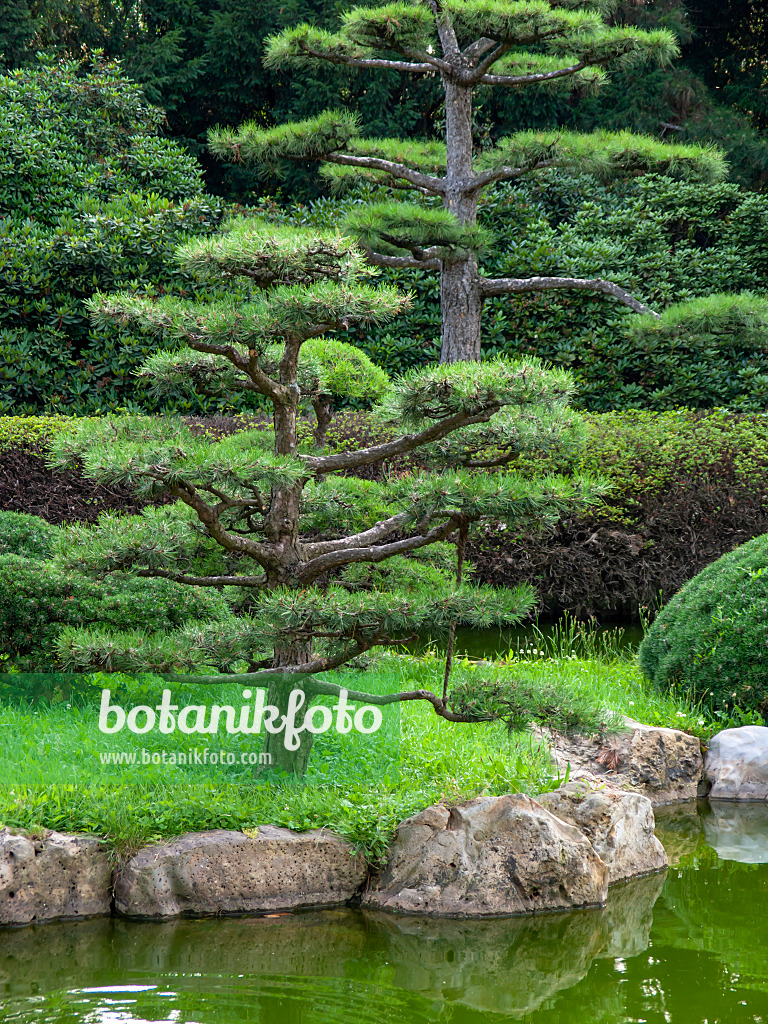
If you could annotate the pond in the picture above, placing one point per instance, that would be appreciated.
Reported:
(687, 946)
(495, 643)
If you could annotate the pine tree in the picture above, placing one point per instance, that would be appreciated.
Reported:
(469, 45)
(321, 565)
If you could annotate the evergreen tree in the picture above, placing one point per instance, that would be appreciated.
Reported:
(322, 565)
(468, 45)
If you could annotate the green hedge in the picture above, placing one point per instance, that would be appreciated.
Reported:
(711, 641)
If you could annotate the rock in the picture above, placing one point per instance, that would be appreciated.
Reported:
(738, 832)
(736, 766)
(663, 764)
(489, 856)
(619, 825)
(60, 876)
(227, 872)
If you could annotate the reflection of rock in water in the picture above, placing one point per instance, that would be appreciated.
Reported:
(678, 827)
(512, 965)
(738, 831)
(628, 915)
(373, 968)
(505, 965)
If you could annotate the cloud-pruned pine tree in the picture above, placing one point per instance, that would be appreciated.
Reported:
(468, 45)
(321, 565)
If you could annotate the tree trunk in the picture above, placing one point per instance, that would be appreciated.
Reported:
(461, 308)
(461, 302)
(278, 693)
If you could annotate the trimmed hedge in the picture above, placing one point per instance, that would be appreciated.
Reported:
(711, 640)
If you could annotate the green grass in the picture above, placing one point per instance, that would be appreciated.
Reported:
(360, 787)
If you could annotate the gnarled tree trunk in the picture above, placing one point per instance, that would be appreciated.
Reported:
(278, 694)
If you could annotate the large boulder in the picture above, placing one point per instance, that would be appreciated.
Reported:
(663, 764)
(736, 766)
(489, 856)
(60, 876)
(227, 872)
(619, 825)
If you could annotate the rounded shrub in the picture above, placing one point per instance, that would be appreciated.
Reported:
(26, 536)
(38, 599)
(711, 640)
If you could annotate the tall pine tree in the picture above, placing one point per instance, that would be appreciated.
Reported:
(467, 45)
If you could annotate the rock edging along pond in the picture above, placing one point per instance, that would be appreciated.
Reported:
(489, 856)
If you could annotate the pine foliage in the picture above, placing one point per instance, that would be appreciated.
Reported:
(307, 552)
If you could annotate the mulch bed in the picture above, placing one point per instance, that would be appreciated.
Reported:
(28, 485)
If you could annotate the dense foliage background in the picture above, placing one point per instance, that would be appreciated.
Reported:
(201, 62)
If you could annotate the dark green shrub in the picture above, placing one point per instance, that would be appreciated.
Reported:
(26, 536)
(711, 640)
(91, 197)
(37, 599)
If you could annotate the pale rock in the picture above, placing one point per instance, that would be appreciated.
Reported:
(736, 765)
(619, 825)
(663, 764)
(228, 872)
(59, 876)
(486, 857)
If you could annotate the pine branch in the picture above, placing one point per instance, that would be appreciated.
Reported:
(234, 543)
(358, 540)
(202, 581)
(307, 572)
(504, 173)
(435, 186)
(425, 65)
(548, 76)
(518, 285)
(377, 259)
(321, 688)
(477, 75)
(400, 446)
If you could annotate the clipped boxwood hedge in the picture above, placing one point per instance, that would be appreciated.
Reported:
(711, 640)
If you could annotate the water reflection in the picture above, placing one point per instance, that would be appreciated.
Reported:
(348, 965)
(738, 831)
(684, 948)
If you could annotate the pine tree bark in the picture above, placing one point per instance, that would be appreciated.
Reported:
(278, 694)
(461, 300)
(461, 305)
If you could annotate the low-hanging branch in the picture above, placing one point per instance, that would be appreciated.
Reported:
(303, 678)
(518, 285)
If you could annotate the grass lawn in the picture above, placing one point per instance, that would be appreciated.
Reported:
(52, 775)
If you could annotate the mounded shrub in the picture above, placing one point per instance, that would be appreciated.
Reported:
(711, 640)
(37, 598)
(26, 536)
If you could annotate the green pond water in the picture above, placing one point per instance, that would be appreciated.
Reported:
(687, 946)
(494, 643)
